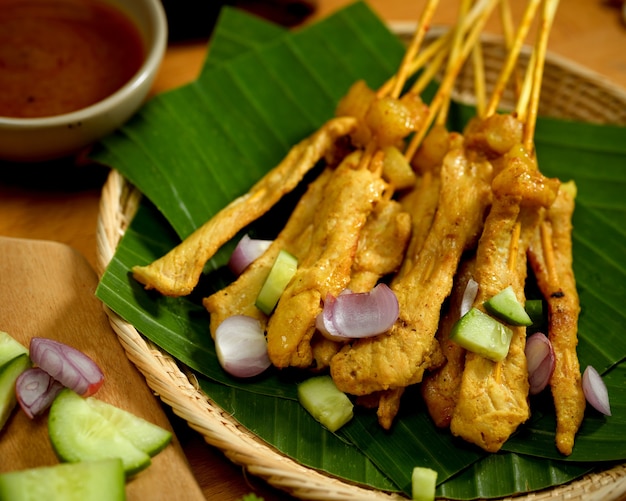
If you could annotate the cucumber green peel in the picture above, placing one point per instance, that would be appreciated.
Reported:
(80, 431)
(86, 481)
(482, 334)
(10, 348)
(9, 372)
(325, 402)
(423, 484)
(283, 270)
(507, 308)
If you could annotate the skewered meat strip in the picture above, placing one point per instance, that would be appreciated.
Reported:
(550, 256)
(440, 388)
(399, 357)
(238, 298)
(348, 200)
(493, 397)
(178, 272)
(380, 250)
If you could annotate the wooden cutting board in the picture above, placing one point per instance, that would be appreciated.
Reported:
(47, 290)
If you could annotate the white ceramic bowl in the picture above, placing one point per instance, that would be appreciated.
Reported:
(38, 139)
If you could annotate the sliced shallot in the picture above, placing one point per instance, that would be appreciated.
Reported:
(469, 296)
(595, 391)
(247, 250)
(35, 390)
(540, 358)
(241, 346)
(359, 314)
(71, 367)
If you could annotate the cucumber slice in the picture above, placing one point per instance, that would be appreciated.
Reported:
(325, 402)
(80, 433)
(87, 481)
(423, 484)
(283, 270)
(479, 333)
(10, 348)
(507, 308)
(9, 373)
(143, 434)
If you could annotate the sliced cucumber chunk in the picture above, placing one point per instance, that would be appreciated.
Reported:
(143, 434)
(482, 334)
(507, 308)
(10, 348)
(282, 271)
(423, 484)
(325, 402)
(9, 373)
(80, 433)
(87, 481)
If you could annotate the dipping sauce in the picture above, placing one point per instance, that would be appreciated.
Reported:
(58, 56)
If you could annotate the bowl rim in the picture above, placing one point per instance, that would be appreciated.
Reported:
(149, 67)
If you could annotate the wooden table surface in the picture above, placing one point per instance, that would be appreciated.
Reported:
(59, 201)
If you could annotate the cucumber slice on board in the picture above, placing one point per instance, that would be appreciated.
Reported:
(87, 481)
(9, 373)
(479, 333)
(80, 433)
(507, 308)
(143, 434)
(325, 402)
(283, 270)
(10, 348)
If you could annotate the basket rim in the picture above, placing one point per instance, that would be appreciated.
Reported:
(175, 385)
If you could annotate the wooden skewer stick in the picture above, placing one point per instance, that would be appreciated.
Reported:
(484, 8)
(513, 54)
(455, 51)
(479, 79)
(418, 37)
(547, 18)
(506, 19)
(521, 108)
(432, 51)
(431, 70)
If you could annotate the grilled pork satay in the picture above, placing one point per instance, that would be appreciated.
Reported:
(381, 246)
(380, 250)
(550, 255)
(178, 272)
(399, 357)
(238, 298)
(493, 397)
(349, 199)
(440, 388)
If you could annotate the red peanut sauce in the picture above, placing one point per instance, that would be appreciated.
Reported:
(58, 56)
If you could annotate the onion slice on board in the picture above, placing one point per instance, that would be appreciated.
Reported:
(247, 250)
(71, 367)
(35, 390)
(241, 346)
(595, 391)
(359, 314)
(540, 358)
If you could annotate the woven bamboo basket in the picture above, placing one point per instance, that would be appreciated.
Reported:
(569, 91)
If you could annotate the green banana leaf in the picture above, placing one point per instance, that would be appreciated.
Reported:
(191, 150)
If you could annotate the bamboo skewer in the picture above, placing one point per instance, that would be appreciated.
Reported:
(484, 9)
(512, 57)
(416, 42)
(549, 11)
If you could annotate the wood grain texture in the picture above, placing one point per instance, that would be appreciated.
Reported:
(47, 290)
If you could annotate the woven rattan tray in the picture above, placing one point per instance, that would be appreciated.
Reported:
(570, 91)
